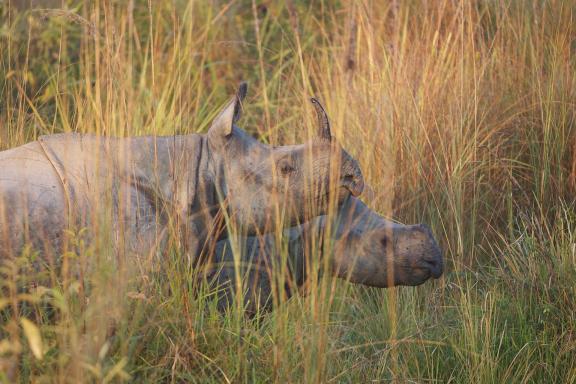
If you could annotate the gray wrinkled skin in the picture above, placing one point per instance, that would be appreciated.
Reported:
(362, 247)
(159, 185)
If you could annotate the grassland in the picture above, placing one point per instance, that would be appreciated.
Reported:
(462, 115)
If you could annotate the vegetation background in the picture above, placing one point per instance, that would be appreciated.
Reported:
(461, 113)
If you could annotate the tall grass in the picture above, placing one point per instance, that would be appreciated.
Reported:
(460, 113)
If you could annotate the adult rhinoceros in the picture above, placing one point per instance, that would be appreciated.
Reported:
(190, 184)
(357, 244)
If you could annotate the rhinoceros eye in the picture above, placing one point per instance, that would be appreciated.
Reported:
(384, 242)
(285, 168)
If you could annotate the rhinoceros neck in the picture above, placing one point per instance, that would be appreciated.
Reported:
(205, 206)
(187, 177)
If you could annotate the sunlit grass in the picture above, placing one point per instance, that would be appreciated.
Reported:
(460, 113)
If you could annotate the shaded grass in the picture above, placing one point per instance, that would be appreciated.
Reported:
(461, 115)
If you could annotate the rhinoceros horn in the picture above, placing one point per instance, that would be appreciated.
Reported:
(323, 123)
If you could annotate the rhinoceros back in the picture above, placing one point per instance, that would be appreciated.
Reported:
(73, 181)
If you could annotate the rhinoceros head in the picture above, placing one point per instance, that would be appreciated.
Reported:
(373, 251)
(385, 257)
(263, 185)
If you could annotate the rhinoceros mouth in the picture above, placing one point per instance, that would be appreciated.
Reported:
(339, 194)
(416, 275)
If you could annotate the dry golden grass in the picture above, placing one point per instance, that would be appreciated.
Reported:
(462, 115)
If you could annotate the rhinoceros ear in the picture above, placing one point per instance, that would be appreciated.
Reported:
(323, 122)
(240, 96)
(230, 114)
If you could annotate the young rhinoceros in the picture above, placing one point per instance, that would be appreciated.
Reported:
(362, 248)
(179, 182)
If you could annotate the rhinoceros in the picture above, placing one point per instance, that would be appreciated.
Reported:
(191, 184)
(360, 246)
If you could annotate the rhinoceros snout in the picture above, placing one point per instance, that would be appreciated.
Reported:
(431, 256)
(352, 178)
(354, 182)
(433, 261)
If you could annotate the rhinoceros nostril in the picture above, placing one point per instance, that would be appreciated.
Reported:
(434, 264)
(430, 262)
